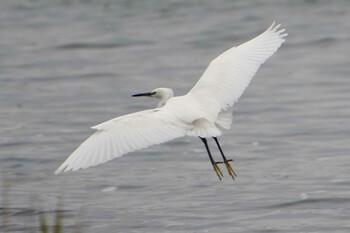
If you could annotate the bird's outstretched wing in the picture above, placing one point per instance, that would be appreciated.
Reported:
(226, 77)
(124, 134)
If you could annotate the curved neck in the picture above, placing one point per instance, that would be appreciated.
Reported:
(165, 97)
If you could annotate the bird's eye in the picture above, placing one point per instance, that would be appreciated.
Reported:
(153, 93)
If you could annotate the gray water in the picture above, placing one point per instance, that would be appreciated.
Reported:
(66, 65)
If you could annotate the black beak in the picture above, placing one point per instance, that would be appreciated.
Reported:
(143, 94)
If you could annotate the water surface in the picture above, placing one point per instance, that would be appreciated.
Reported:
(68, 65)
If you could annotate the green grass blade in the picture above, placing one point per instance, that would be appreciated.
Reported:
(43, 225)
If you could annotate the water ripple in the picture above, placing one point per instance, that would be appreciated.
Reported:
(312, 202)
(88, 46)
(94, 45)
(27, 211)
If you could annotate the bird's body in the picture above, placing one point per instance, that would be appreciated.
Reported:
(203, 112)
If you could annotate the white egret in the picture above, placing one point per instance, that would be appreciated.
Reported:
(203, 112)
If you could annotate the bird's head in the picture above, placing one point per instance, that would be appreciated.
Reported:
(162, 93)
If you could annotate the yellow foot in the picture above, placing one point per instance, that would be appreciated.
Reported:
(229, 168)
(217, 170)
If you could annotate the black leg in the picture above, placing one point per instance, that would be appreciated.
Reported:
(215, 164)
(226, 161)
(222, 153)
(204, 140)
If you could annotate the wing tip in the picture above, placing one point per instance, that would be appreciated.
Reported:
(276, 29)
(61, 169)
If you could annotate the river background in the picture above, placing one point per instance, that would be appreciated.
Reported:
(67, 65)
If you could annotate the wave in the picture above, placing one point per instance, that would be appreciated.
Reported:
(313, 201)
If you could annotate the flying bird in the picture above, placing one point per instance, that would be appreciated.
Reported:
(203, 112)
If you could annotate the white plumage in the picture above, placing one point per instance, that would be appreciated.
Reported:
(202, 112)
